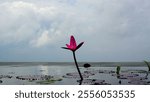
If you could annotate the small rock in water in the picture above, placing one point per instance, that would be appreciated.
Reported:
(1, 81)
(86, 65)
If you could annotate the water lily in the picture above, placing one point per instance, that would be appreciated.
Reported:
(73, 47)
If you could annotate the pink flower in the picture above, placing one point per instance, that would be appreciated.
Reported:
(73, 46)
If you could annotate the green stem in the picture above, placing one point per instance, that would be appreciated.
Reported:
(77, 65)
(148, 65)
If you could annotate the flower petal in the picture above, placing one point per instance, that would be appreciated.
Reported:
(68, 46)
(73, 42)
(79, 45)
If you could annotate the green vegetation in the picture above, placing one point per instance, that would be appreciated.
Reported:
(148, 65)
(118, 70)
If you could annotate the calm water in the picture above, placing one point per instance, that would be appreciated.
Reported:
(58, 70)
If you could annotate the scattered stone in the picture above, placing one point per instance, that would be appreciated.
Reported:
(90, 81)
(130, 75)
(125, 75)
(139, 82)
(137, 78)
(5, 76)
(50, 81)
(86, 74)
(101, 84)
(34, 77)
(75, 75)
(87, 65)
(99, 71)
(93, 82)
(135, 71)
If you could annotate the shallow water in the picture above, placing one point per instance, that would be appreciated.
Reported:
(10, 72)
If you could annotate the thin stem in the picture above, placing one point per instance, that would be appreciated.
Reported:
(77, 65)
(148, 65)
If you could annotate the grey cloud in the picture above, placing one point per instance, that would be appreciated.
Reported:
(112, 29)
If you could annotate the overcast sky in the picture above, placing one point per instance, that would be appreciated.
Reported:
(113, 30)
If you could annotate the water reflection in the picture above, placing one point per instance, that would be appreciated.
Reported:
(44, 70)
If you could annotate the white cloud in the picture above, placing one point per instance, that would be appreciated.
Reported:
(24, 21)
(115, 27)
(43, 39)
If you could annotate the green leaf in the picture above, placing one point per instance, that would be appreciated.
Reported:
(148, 65)
(118, 70)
